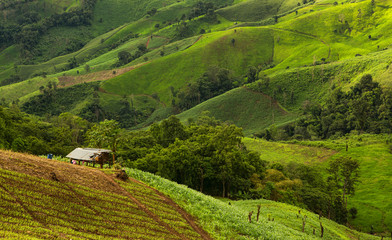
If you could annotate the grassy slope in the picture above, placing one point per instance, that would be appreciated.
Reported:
(213, 49)
(247, 109)
(83, 203)
(285, 153)
(254, 10)
(372, 194)
(297, 40)
(226, 221)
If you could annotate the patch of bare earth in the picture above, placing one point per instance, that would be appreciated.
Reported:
(67, 81)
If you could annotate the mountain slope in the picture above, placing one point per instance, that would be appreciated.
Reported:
(215, 49)
(229, 220)
(253, 111)
(372, 151)
(47, 199)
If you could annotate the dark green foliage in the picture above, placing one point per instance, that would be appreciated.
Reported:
(31, 26)
(206, 157)
(202, 8)
(54, 101)
(124, 57)
(12, 79)
(213, 83)
(353, 212)
(366, 107)
(24, 133)
(252, 74)
(168, 131)
(152, 12)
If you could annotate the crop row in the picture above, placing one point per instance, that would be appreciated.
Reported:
(157, 205)
(26, 178)
(15, 235)
(114, 199)
(37, 184)
(35, 231)
(15, 213)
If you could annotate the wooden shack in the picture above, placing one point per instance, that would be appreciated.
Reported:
(90, 155)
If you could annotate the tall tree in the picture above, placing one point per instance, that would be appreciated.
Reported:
(105, 134)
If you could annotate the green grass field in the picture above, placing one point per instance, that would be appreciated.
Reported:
(247, 109)
(214, 49)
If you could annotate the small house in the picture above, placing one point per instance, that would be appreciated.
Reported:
(90, 155)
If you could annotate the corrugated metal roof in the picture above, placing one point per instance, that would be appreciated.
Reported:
(86, 154)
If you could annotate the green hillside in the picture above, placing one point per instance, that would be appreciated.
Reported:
(279, 69)
(250, 110)
(43, 199)
(253, 10)
(229, 220)
(214, 49)
(372, 152)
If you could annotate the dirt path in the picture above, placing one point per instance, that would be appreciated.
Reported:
(67, 81)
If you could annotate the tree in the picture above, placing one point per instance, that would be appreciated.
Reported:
(344, 175)
(232, 41)
(87, 68)
(252, 74)
(124, 57)
(105, 134)
(167, 132)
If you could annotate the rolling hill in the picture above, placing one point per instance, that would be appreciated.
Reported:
(301, 51)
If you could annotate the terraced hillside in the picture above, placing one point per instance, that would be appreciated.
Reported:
(43, 199)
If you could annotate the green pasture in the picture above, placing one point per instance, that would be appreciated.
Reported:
(253, 10)
(285, 152)
(215, 49)
(247, 109)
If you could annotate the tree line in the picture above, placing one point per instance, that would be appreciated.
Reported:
(52, 101)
